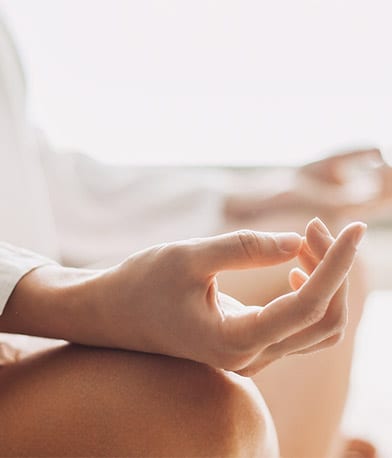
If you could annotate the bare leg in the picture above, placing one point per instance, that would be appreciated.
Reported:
(78, 401)
(306, 394)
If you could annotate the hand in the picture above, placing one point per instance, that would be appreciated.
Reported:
(331, 184)
(332, 170)
(328, 187)
(166, 299)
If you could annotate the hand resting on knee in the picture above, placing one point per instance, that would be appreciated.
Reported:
(166, 299)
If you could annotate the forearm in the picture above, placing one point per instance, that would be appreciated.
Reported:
(260, 192)
(53, 301)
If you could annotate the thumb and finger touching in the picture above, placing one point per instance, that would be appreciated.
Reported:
(318, 240)
(291, 321)
(284, 321)
(330, 273)
(338, 301)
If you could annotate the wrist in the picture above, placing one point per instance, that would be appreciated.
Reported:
(78, 298)
(50, 301)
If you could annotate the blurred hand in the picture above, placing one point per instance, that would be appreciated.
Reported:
(347, 183)
(166, 299)
(332, 170)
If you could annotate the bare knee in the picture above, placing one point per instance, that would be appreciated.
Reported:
(191, 409)
(225, 414)
(247, 424)
(77, 401)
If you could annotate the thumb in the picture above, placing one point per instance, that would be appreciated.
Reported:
(245, 249)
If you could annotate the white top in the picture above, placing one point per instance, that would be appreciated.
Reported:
(14, 264)
(24, 204)
(26, 216)
(76, 210)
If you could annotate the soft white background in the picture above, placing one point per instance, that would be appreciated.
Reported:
(204, 81)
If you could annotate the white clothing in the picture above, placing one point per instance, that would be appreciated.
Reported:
(14, 264)
(24, 204)
(73, 209)
(26, 217)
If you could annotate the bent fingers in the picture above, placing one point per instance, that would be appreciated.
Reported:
(293, 312)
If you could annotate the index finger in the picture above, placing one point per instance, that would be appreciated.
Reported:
(333, 268)
(298, 310)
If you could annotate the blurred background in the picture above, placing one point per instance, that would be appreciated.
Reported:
(208, 81)
(174, 82)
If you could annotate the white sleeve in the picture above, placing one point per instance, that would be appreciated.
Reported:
(105, 212)
(16, 262)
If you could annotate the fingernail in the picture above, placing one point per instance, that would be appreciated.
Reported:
(321, 227)
(288, 242)
(360, 232)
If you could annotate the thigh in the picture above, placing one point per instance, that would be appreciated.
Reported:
(79, 401)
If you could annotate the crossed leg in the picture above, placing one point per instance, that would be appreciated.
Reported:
(79, 401)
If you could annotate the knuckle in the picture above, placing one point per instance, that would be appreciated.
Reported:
(312, 308)
(336, 338)
(313, 315)
(176, 257)
(250, 243)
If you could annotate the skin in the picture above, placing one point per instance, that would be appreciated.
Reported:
(324, 188)
(289, 207)
(313, 298)
(72, 280)
(321, 187)
(204, 325)
(315, 396)
(78, 401)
